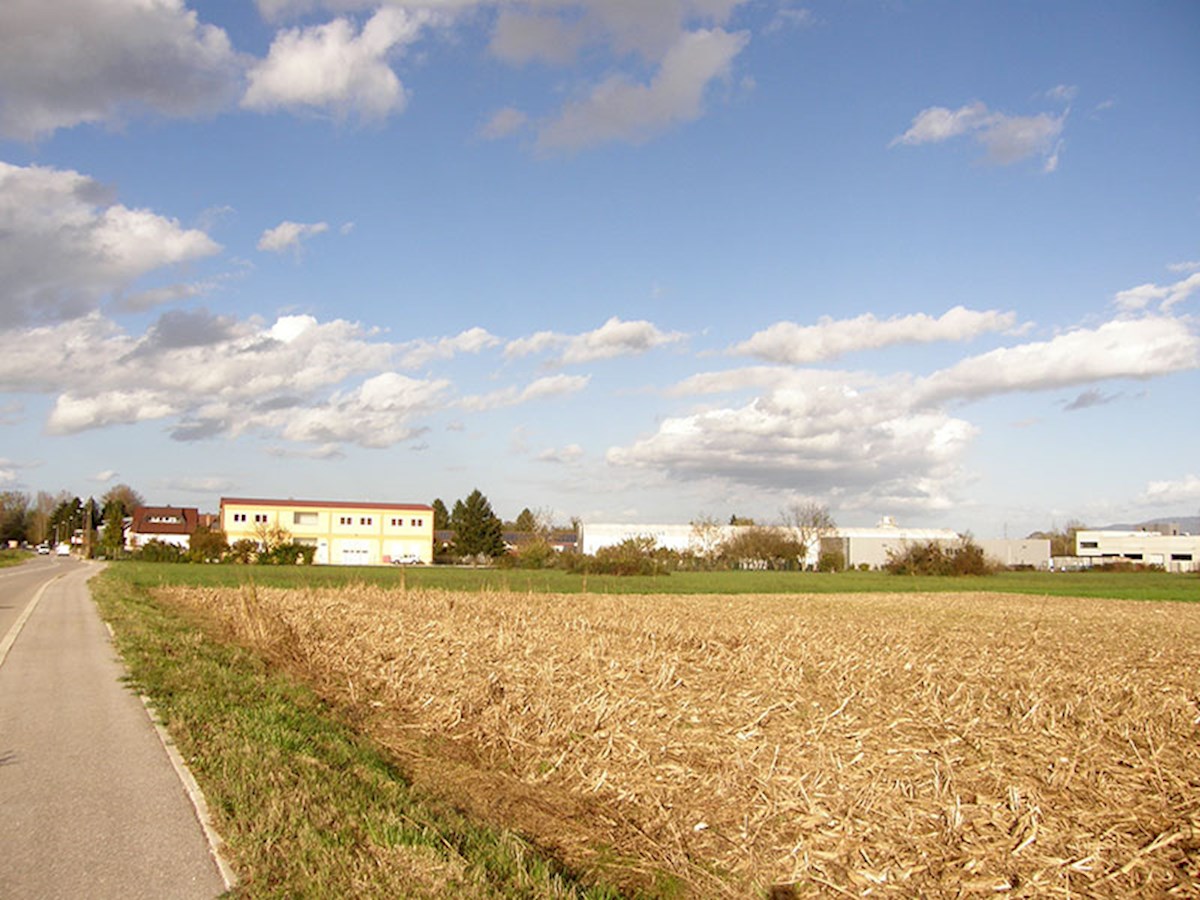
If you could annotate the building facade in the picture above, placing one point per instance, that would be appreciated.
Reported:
(167, 524)
(1174, 552)
(341, 533)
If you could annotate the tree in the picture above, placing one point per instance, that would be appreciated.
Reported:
(112, 537)
(762, 547)
(706, 536)
(477, 529)
(67, 516)
(441, 516)
(14, 516)
(207, 544)
(810, 521)
(526, 522)
(125, 496)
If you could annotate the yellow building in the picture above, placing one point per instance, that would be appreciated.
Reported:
(346, 534)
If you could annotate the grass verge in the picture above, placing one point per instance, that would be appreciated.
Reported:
(1112, 585)
(13, 557)
(307, 807)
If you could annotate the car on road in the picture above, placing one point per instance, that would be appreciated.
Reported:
(64, 550)
(43, 549)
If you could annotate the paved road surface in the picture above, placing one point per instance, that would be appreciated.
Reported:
(90, 804)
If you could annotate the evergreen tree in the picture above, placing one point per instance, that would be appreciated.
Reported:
(441, 515)
(478, 531)
(526, 522)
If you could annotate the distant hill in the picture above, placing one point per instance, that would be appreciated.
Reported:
(1190, 524)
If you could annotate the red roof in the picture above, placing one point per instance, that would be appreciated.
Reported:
(165, 520)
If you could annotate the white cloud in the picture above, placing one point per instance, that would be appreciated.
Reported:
(67, 245)
(68, 62)
(421, 352)
(540, 389)
(818, 433)
(289, 235)
(568, 455)
(378, 413)
(503, 123)
(105, 476)
(1191, 265)
(614, 338)
(1167, 296)
(618, 109)
(1185, 490)
(1006, 139)
(334, 68)
(787, 342)
(1123, 348)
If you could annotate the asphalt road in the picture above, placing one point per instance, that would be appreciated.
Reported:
(90, 802)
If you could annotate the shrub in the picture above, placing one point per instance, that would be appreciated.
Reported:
(155, 550)
(763, 548)
(936, 558)
(831, 561)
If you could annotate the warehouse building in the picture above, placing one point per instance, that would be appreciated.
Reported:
(1164, 546)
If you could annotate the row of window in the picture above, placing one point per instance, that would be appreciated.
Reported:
(310, 518)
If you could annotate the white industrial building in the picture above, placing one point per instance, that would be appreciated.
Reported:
(859, 546)
(1166, 547)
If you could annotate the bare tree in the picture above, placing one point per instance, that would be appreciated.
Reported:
(809, 521)
(706, 536)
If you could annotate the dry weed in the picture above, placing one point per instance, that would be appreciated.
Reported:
(894, 745)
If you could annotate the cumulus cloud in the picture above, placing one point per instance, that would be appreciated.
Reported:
(619, 109)
(816, 433)
(1006, 139)
(1184, 490)
(787, 342)
(74, 61)
(614, 338)
(1122, 348)
(541, 389)
(289, 235)
(378, 413)
(67, 244)
(336, 69)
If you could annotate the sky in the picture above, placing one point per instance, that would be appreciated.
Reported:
(619, 260)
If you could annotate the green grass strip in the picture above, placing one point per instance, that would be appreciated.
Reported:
(1112, 585)
(307, 807)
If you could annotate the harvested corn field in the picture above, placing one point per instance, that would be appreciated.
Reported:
(882, 745)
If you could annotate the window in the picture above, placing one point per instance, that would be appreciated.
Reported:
(1181, 557)
(260, 518)
(345, 520)
(1136, 556)
(304, 518)
(365, 520)
(396, 523)
(417, 523)
(239, 517)
(1089, 545)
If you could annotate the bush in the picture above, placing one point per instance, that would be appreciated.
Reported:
(935, 558)
(158, 551)
(831, 561)
(763, 548)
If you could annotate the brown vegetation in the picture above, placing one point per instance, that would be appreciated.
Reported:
(915, 745)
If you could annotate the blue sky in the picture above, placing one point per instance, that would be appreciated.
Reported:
(633, 261)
